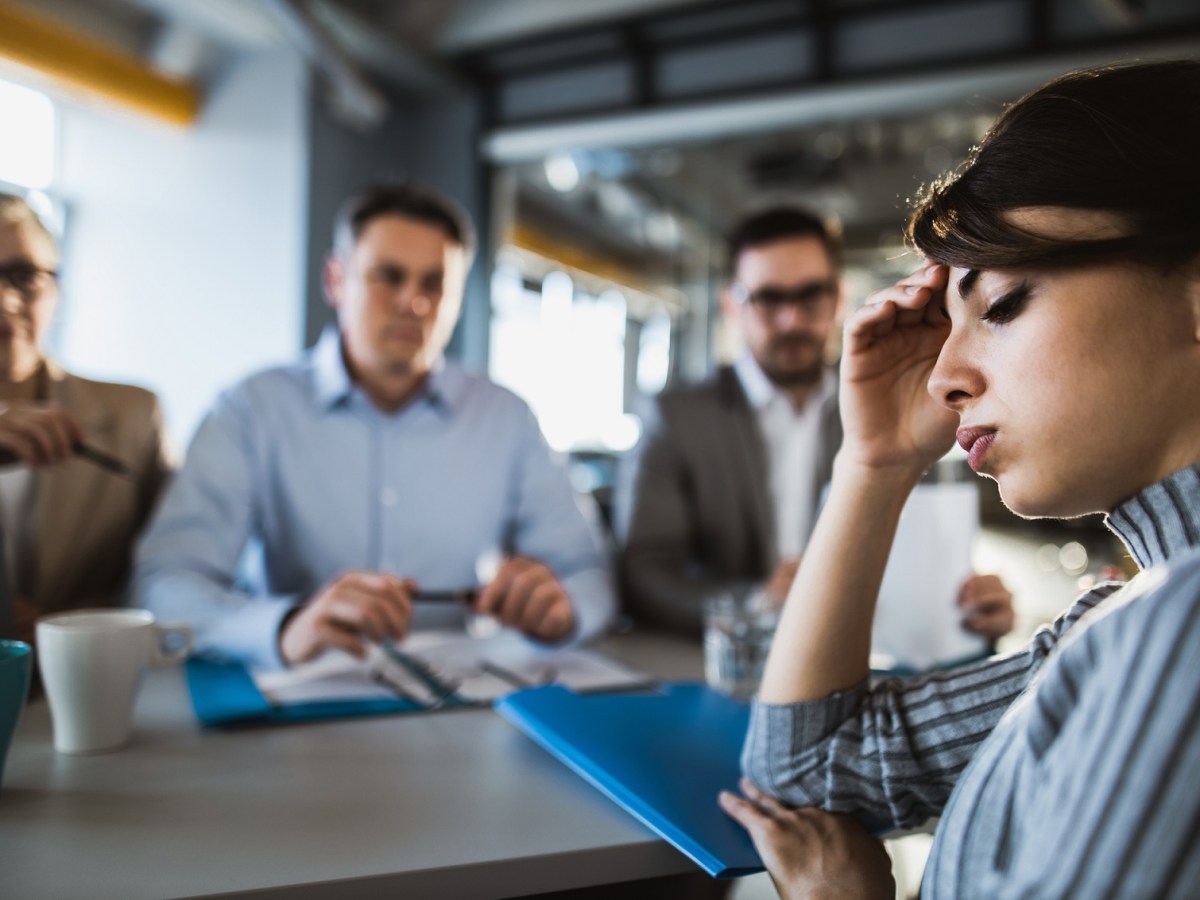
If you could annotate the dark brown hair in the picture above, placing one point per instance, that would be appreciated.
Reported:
(406, 199)
(778, 224)
(1123, 140)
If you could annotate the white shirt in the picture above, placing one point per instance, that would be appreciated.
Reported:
(793, 441)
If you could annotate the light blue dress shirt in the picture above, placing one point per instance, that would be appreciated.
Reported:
(297, 463)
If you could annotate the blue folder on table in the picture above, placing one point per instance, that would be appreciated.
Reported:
(224, 693)
(662, 756)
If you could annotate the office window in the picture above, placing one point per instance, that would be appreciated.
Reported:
(654, 354)
(27, 152)
(563, 351)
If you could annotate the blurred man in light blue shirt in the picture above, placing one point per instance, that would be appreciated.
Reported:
(374, 470)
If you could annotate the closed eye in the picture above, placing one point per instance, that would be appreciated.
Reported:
(1008, 306)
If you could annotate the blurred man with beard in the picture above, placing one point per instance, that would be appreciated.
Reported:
(374, 474)
(722, 491)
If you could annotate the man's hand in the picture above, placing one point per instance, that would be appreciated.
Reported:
(987, 606)
(526, 595)
(780, 582)
(38, 435)
(350, 611)
(812, 854)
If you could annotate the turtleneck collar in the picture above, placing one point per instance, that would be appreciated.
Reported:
(1161, 521)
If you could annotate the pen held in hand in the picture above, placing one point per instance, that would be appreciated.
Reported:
(102, 459)
(83, 451)
(466, 595)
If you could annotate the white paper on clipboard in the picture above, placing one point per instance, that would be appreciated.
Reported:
(917, 620)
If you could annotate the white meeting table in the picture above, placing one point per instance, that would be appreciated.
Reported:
(448, 805)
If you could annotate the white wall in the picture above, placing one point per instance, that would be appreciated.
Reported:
(184, 256)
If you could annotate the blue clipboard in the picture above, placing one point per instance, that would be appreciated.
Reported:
(224, 693)
(662, 756)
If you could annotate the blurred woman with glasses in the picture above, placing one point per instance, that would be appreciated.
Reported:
(81, 462)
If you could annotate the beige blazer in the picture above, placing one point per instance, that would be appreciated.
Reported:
(85, 519)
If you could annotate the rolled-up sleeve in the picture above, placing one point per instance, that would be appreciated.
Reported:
(891, 752)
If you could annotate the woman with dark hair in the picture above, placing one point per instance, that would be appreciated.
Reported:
(1055, 331)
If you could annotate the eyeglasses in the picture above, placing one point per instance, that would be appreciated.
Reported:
(23, 276)
(810, 297)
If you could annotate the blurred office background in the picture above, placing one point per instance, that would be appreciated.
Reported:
(193, 153)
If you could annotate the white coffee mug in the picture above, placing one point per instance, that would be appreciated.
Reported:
(91, 661)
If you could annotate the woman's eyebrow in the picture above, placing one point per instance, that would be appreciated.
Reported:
(966, 284)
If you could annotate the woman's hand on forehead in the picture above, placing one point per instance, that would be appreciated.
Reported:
(920, 298)
(891, 346)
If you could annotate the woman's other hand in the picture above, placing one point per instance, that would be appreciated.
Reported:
(810, 853)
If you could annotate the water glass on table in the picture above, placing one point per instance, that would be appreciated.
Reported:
(738, 628)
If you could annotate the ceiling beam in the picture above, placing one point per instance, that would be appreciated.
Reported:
(831, 102)
(352, 96)
(80, 65)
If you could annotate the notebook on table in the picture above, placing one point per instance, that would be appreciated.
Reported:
(428, 671)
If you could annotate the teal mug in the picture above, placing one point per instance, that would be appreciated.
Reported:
(16, 658)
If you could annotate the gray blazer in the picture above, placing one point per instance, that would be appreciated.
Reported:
(693, 513)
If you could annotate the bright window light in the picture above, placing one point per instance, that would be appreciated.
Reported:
(27, 150)
(563, 350)
(561, 171)
(654, 354)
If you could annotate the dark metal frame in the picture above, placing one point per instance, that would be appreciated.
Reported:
(639, 49)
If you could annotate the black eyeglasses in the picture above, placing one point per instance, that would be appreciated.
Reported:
(811, 297)
(22, 276)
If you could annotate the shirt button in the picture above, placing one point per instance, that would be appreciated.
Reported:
(389, 497)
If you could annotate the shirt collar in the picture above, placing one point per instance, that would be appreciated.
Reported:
(331, 380)
(446, 387)
(760, 390)
(757, 386)
(1161, 521)
(444, 390)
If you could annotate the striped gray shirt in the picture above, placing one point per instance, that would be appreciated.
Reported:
(1068, 769)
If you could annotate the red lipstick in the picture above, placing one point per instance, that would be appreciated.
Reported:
(977, 442)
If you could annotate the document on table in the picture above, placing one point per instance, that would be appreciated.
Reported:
(439, 669)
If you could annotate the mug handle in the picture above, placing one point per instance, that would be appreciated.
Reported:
(158, 657)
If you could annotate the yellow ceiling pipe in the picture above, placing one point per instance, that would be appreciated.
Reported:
(538, 242)
(79, 63)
